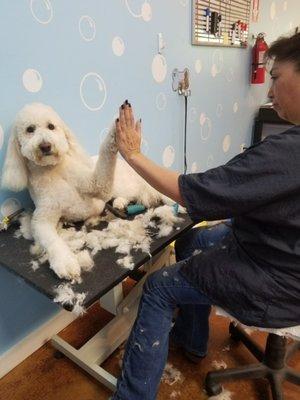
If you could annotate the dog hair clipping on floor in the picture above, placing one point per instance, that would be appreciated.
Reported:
(171, 375)
(224, 395)
(219, 364)
(70, 300)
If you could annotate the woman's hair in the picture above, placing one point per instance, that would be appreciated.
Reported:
(286, 49)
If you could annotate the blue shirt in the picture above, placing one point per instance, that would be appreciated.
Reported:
(255, 273)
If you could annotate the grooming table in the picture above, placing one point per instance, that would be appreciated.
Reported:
(104, 283)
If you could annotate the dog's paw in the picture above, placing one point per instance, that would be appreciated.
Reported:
(110, 140)
(66, 266)
(120, 203)
(181, 210)
(166, 200)
(85, 260)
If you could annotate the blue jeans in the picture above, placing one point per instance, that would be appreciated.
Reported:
(164, 291)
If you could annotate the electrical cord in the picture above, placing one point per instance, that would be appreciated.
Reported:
(181, 85)
(185, 130)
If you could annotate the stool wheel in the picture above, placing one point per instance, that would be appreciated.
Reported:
(234, 334)
(212, 388)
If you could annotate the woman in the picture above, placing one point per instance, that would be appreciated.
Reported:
(252, 269)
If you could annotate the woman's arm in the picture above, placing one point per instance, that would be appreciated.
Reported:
(128, 138)
(162, 179)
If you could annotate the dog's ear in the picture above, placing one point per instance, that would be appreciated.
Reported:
(75, 148)
(14, 172)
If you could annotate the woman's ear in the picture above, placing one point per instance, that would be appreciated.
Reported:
(14, 172)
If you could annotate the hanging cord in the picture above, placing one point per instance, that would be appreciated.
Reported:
(181, 84)
(185, 130)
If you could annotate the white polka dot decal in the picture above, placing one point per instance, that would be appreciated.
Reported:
(32, 80)
(1, 137)
(168, 156)
(41, 10)
(118, 46)
(87, 28)
(273, 11)
(93, 91)
(214, 71)
(9, 206)
(205, 126)
(145, 11)
(219, 110)
(229, 74)
(198, 66)
(161, 101)
(206, 130)
(184, 3)
(210, 161)
(194, 167)
(226, 143)
(202, 119)
(159, 68)
(192, 114)
(217, 63)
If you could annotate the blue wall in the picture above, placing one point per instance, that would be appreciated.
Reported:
(85, 58)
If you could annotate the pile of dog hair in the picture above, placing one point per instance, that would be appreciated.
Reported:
(125, 236)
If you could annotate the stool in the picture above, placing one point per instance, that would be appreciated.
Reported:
(272, 362)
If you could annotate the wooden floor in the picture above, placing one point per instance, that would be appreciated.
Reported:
(44, 376)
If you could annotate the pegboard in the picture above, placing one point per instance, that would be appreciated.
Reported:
(221, 22)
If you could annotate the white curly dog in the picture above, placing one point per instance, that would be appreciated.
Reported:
(44, 156)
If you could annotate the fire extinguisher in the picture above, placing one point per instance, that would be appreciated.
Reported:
(258, 53)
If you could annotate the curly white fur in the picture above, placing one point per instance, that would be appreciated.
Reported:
(66, 296)
(123, 235)
(44, 156)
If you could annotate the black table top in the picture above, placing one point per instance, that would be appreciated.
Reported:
(106, 273)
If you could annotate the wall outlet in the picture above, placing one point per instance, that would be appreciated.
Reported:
(181, 81)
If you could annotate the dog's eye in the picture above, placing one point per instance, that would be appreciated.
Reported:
(51, 127)
(30, 128)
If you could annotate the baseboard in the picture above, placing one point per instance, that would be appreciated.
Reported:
(34, 341)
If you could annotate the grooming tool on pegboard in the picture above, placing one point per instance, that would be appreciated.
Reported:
(207, 15)
(214, 23)
(221, 23)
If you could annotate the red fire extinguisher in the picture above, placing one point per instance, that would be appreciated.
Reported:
(258, 53)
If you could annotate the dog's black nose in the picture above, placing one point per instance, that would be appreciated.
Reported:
(45, 147)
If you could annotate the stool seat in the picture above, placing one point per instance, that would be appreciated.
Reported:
(292, 332)
(272, 363)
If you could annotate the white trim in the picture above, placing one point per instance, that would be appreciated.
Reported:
(34, 341)
(92, 354)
